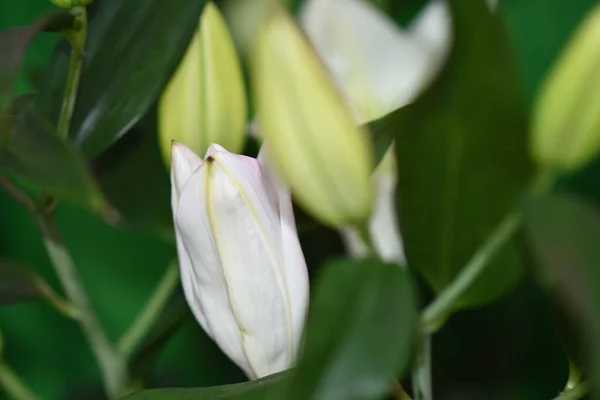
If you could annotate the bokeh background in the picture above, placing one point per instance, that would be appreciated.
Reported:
(508, 350)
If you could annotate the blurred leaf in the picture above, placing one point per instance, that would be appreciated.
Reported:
(14, 43)
(133, 48)
(462, 158)
(17, 283)
(383, 131)
(565, 235)
(168, 323)
(359, 333)
(30, 149)
(135, 180)
(254, 390)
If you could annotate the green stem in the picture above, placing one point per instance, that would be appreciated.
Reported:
(399, 393)
(575, 393)
(421, 372)
(110, 361)
(155, 305)
(77, 37)
(365, 236)
(13, 385)
(574, 376)
(436, 313)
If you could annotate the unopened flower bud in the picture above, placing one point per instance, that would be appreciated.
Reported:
(566, 125)
(313, 138)
(205, 101)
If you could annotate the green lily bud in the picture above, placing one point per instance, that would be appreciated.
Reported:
(205, 101)
(566, 124)
(71, 3)
(311, 133)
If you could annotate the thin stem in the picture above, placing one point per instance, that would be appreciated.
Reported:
(365, 236)
(57, 302)
(17, 194)
(421, 372)
(574, 376)
(112, 364)
(155, 305)
(399, 393)
(13, 385)
(574, 394)
(436, 313)
(77, 37)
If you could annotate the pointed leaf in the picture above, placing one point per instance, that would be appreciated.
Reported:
(565, 235)
(462, 158)
(30, 150)
(254, 390)
(133, 48)
(359, 333)
(14, 43)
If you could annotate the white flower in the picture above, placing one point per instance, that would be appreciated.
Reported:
(379, 66)
(242, 268)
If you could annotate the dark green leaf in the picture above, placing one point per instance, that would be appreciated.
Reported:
(29, 149)
(383, 131)
(17, 283)
(565, 236)
(359, 332)
(133, 48)
(14, 43)
(462, 158)
(253, 390)
(135, 180)
(163, 329)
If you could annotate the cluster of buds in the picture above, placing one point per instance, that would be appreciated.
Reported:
(314, 86)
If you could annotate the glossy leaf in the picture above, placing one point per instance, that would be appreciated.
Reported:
(133, 48)
(462, 158)
(14, 43)
(254, 390)
(30, 150)
(383, 131)
(17, 284)
(359, 333)
(564, 233)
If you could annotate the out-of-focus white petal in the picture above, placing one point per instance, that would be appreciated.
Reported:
(383, 225)
(233, 236)
(379, 66)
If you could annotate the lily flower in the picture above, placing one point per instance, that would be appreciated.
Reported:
(243, 272)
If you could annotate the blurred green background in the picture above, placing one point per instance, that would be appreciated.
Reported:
(506, 351)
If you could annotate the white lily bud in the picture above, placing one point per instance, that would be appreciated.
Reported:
(242, 268)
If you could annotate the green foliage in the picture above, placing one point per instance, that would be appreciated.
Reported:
(17, 283)
(462, 159)
(565, 235)
(30, 149)
(125, 68)
(358, 335)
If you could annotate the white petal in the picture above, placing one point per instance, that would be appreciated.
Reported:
(383, 224)
(379, 66)
(295, 272)
(240, 272)
(183, 163)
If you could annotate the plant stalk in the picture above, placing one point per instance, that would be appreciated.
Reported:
(421, 372)
(112, 364)
(77, 37)
(13, 385)
(151, 311)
